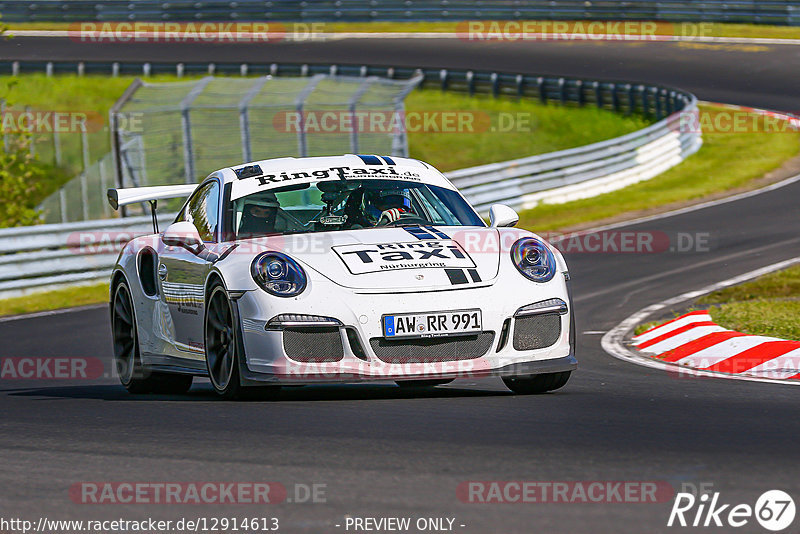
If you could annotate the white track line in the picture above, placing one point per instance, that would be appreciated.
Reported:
(51, 312)
(614, 340)
(324, 36)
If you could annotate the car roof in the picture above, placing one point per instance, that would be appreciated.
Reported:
(274, 173)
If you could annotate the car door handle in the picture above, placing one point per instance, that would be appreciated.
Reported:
(162, 272)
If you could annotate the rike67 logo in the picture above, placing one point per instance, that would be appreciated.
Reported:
(774, 510)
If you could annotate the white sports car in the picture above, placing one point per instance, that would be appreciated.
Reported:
(351, 268)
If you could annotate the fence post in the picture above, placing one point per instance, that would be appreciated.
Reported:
(598, 94)
(631, 101)
(495, 79)
(62, 204)
(614, 97)
(186, 125)
(300, 101)
(562, 90)
(2, 116)
(470, 76)
(32, 144)
(244, 116)
(85, 173)
(645, 101)
(56, 140)
(542, 90)
(657, 97)
(443, 79)
(357, 94)
(103, 185)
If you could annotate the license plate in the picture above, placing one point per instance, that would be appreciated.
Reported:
(432, 324)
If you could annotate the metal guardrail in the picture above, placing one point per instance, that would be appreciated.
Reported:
(36, 257)
(46, 255)
(581, 172)
(783, 12)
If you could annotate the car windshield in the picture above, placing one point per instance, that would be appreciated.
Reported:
(327, 206)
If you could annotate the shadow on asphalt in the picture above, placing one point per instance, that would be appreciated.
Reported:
(204, 393)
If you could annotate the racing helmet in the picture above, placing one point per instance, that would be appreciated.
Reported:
(259, 214)
(377, 201)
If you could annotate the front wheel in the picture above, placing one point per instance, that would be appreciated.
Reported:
(222, 352)
(530, 385)
(220, 338)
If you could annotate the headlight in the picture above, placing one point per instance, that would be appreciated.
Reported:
(534, 259)
(278, 274)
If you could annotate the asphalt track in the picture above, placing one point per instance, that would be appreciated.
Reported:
(386, 452)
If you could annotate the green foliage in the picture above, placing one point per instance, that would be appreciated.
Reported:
(21, 177)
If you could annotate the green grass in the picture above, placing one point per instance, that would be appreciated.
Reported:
(769, 305)
(766, 306)
(713, 29)
(56, 299)
(504, 129)
(726, 161)
(765, 317)
(778, 285)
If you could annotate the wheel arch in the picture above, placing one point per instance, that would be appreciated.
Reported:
(213, 277)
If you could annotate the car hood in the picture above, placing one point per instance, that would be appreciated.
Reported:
(397, 259)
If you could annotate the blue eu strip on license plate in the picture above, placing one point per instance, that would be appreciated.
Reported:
(388, 326)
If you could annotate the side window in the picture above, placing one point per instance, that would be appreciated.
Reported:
(202, 211)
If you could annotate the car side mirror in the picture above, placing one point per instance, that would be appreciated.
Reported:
(183, 234)
(501, 215)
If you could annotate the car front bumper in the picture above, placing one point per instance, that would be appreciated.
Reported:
(360, 314)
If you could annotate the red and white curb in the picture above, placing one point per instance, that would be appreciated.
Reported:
(694, 340)
(617, 341)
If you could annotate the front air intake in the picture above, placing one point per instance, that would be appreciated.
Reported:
(536, 331)
(313, 345)
(428, 350)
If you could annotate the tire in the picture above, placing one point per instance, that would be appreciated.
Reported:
(531, 385)
(132, 374)
(222, 360)
(222, 350)
(423, 383)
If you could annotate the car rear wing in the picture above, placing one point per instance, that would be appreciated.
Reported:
(133, 195)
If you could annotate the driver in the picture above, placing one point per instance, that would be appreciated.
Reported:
(259, 215)
(386, 206)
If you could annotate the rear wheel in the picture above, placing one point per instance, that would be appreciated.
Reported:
(423, 383)
(132, 374)
(529, 385)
